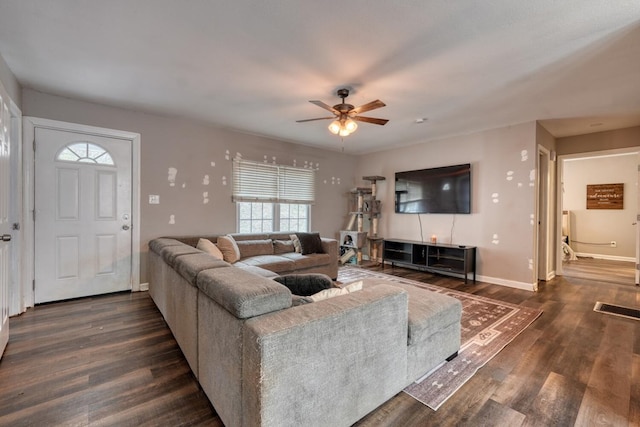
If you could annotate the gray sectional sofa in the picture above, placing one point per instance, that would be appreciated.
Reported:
(263, 362)
(272, 252)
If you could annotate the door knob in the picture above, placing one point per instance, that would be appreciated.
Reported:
(6, 238)
(125, 227)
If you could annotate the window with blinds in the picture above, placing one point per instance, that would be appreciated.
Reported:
(253, 182)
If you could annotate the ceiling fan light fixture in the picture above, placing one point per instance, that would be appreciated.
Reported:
(343, 123)
(350, 125)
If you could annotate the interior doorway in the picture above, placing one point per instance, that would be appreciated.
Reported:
(599, 242)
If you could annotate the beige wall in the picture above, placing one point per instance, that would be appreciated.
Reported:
(11, 85)
(596, 228)
(199, 152)
(503, 198)
(599, 141)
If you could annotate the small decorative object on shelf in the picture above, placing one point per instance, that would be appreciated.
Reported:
(452, 260)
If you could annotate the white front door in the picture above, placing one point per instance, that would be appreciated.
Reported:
(5, 227)
(82, 215)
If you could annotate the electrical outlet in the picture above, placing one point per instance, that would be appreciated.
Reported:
(613, 244)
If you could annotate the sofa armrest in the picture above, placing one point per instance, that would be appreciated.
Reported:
(330, 246)
(329, 362)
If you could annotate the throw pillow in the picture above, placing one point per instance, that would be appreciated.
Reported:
(334, 292)
(305, 284)
(206, 245)
(310, 243)
(283, 247)
(229, 249)
(249, 248)
(296, 243)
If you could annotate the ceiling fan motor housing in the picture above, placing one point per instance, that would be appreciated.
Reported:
(343, 108)
(343, 93)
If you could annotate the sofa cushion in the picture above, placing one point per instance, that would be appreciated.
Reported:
(256, 270)
(277, 263)
(229, 249)
(429, 312)
(241, 293)
(156, 245)
(188, 266)
(209, 247)
(305, 284)
(249, 248)
(239, 237)
(301, 262)
(310, 243)
(170, 253)
(283, 247)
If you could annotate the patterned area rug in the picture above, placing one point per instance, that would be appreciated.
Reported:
(487, 327)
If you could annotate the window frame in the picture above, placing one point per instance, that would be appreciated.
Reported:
(275, 217)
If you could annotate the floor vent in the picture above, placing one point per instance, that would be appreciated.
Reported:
(617, 310)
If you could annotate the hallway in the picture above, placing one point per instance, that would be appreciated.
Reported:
(602, 270)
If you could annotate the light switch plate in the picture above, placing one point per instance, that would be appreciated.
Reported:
(154, 199)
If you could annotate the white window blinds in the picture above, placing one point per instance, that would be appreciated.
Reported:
(263, 182)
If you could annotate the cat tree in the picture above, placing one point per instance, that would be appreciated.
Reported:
(353, 242)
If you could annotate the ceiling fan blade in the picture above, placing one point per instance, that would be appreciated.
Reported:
(370, 120)
(368, 106)
(311, 120)
(325, 106)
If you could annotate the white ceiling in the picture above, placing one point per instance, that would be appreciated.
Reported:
(465, 65)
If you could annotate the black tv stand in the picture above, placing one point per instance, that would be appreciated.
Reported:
(442, 258)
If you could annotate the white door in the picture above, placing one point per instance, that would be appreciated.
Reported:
(82, 215)
(5, 228)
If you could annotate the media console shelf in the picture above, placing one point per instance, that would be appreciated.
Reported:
(452, 260)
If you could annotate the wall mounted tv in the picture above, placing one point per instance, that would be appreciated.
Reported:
(435, 190)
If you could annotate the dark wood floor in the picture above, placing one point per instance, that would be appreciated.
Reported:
(112, 361)
(603, 270)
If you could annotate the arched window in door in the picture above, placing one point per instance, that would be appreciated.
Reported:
(85, 152)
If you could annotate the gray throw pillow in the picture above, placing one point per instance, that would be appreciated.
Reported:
(310, 243)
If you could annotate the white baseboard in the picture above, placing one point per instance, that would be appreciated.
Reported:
(502, 282)
(608, 257)
(509, 283)
(144, 287)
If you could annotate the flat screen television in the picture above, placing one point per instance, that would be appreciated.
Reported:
(435, 190)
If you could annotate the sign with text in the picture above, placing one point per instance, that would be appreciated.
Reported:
(605, 196)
